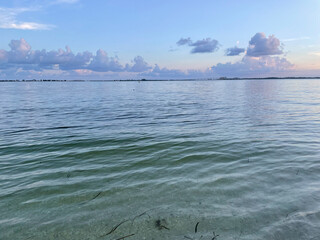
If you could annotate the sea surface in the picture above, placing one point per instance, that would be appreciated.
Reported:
(210, 160)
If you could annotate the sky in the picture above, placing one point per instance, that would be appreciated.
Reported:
(153, 39)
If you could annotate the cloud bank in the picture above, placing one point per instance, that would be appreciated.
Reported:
(253, 67)
(21, 61)
(206, 45)
(258, 61)
(22, 56)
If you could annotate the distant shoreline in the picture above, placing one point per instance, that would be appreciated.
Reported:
(157, 80)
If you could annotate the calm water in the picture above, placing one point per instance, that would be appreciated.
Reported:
(79, 160)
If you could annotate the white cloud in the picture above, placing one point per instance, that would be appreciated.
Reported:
(9, 20)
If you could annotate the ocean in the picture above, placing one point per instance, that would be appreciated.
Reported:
(210, 160)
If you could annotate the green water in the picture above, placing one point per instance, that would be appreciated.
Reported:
(79, 160)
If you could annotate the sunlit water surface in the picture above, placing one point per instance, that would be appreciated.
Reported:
(150, 160)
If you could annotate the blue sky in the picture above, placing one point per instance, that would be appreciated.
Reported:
(158, 39)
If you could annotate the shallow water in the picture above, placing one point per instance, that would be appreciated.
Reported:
(242, 158)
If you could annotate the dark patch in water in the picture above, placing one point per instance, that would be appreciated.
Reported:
(161, 224)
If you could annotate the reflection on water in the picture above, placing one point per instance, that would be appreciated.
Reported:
(160, 160)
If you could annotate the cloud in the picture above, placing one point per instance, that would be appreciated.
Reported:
(101, 62)
(21, 56)
(19, 51)
(258, 60)
(8, 20)
(3, 56)
(62, 59)
(184, 41)
(253, 67)
(139, 65)
(235, 51)
(160, 73)
(164, 73)
(260, 45)
(21, 61)
(206, 45)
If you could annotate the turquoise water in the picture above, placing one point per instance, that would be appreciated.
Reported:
(79, 160)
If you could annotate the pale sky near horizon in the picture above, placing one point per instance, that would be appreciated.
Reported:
(122, 39)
